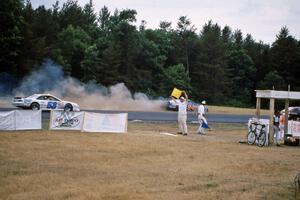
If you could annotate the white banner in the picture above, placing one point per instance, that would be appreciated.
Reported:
(61, 120)
(100, 122)
(290, 124)
(294, 128)
(7, 120)
(28, 119)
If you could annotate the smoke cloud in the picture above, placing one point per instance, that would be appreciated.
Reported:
(51, 79)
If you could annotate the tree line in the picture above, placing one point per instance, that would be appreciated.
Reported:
(214, 63)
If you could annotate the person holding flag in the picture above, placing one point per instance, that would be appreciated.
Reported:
(202, 120)
(182, 112)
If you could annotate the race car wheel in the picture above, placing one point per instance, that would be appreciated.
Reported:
(68, 107)
(35, 106)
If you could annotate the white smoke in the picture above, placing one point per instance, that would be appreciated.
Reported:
(51, 79)
(5, 102)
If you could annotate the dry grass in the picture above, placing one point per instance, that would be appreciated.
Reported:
(143, 164)
(235, 110)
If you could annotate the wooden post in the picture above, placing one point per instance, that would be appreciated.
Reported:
(286, 116)
(271, 130)
(258, 102)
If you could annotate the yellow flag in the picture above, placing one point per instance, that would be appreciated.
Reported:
(176, 93)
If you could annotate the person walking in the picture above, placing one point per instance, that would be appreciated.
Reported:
(276, 127)
(201, 119)
(281, 124)
(182, 113)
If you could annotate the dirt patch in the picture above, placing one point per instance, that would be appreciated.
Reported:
(144, 164)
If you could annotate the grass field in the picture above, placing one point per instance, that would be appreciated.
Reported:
(144, 164)
(235, 110)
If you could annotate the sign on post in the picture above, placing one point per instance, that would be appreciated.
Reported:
(63, 120)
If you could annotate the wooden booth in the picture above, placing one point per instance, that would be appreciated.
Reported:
(272, 95)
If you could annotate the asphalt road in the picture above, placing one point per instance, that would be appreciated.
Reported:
(166, 116)
(192, 117)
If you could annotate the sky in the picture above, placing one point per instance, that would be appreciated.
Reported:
(263, 19)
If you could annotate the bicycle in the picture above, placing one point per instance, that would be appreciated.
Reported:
(257, 134)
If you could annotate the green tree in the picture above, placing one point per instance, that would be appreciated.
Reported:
(209, 72)
(103, 19)
(165, 26)
(285, 58)
(40, 30)
(89, 16)
(90, 20)
(219, 65)
(90, 64)
(152, 58)
(227, 37)
(175, 76)
(242, 75)
(259, 53)
(107, 72)
(11, 37)
(125, 35)
(272, 80)
(186, 41)
(238, 38)
(40, 34)
(72, 14)
(44, 25)
(28, 56)
(71, 45)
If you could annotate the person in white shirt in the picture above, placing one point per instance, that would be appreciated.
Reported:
(201, 119)
(182, 113)
(276, 127)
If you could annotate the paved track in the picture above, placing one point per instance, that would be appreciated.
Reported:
(165, 116)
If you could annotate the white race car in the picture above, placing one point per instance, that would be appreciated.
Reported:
(44, 102)
(172, 105)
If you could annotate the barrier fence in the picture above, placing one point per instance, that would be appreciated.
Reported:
(61, 120)
(20, 120)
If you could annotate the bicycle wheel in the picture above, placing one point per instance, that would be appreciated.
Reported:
(261, 139)
(251, 137)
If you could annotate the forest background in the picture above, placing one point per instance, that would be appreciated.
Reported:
(106, 47)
